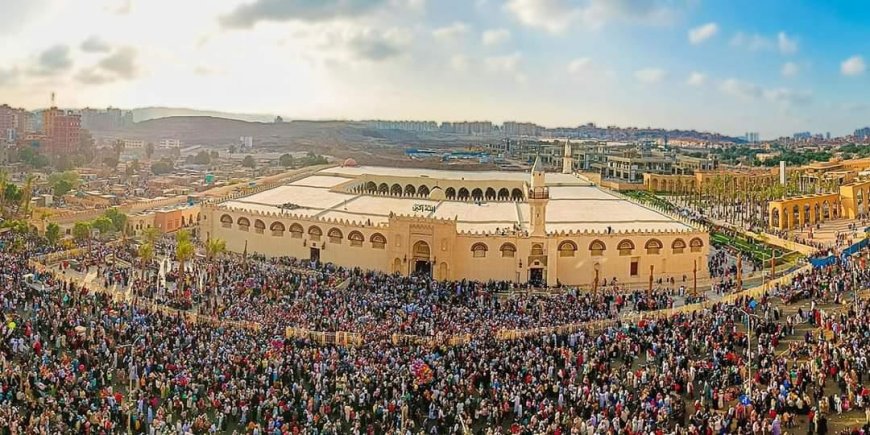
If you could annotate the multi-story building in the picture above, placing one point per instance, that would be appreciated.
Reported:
(109, 119)
(404, 125)
(751, 137)
(514, 129)
(170, 143)
(630, 166)
(862, 133)
(63, 130)
(474, 128)
(14, 123)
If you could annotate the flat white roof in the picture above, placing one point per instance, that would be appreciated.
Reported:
(575, 205)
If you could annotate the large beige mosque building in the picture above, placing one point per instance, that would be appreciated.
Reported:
(540, 228)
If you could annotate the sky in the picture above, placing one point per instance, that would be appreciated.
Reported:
(770, 66)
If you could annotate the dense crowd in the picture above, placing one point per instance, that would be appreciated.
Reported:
(74, 360)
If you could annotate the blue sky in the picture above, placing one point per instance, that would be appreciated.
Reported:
(775, 67)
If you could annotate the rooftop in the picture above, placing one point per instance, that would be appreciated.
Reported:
(575, 204)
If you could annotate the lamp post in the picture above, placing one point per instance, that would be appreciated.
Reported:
(595, 282)
(748, 315)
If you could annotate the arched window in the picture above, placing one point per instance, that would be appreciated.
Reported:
(477, 194)
(490, 194)
(597, 248)
(371, 187)
(653, 246)
(450, 193)
(463, 194)
(478, 250)
(396, 190)
(335, 235)
(383, 189)
(315, 232)
(356, 238)
(678, 246)
(378, 241)
(296, 231)
(277, 228)
(226, 221)
(243, 223)
(259, 226)
(567, 249)
(625, 247)
(696, 244)
(508, 250)
(503, 194)
(423, 191)
(410, 190)
(537, 249)
(516, 195)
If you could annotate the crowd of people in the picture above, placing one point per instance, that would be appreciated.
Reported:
(78, 360)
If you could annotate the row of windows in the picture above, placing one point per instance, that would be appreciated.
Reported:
(568, 248)
(296, 230)
(489, 193)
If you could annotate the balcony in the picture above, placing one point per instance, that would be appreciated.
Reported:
(539, 193)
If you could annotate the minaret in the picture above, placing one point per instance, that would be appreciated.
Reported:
(568, 159)
(539, 195)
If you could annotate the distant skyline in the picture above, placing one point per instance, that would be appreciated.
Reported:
(774, 67)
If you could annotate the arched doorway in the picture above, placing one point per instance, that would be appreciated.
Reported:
(774, 218)
(422, 258)
(397, 265)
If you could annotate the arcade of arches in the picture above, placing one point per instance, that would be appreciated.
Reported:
(796, 212)
(698, 180)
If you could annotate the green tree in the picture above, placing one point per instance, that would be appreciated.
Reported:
(151, 235)
(52, 233)
(249, 162)
(164, 166)
(63, 182)
(232, 149)
(118, 218)
(202, 158)
(146, 254)
(183, 252)
(286, 160)
(149, 150)
(104, 225)
(26, 196)
(215, 247)
(81, 231)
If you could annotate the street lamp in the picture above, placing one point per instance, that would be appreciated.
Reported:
(748, 315)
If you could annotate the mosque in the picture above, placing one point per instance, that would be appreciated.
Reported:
(540, 228)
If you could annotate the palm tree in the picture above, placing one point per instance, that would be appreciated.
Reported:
(146, 254)
(183, 252)
(214, 247)
(26, 196)
(151, 235)
(4, 180)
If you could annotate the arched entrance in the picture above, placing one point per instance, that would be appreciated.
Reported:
(422, 258)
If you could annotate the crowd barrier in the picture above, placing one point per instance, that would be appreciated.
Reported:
(338, 338)
(598, 325)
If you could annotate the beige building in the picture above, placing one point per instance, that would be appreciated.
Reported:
(544, 228)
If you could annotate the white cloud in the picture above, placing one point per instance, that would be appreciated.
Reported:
(751, 91)
(787, 96)
(853, 66)
(756, 42)
(696, 79)
(495, 36)
(507, 64)
(459, 63)
(452, 32)
(741, 89)
(702, 33)
(580, 65)
(556, 16)
(95, 45)
(786, 45)
(790, 69)
(650, 75)
(247, 15)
